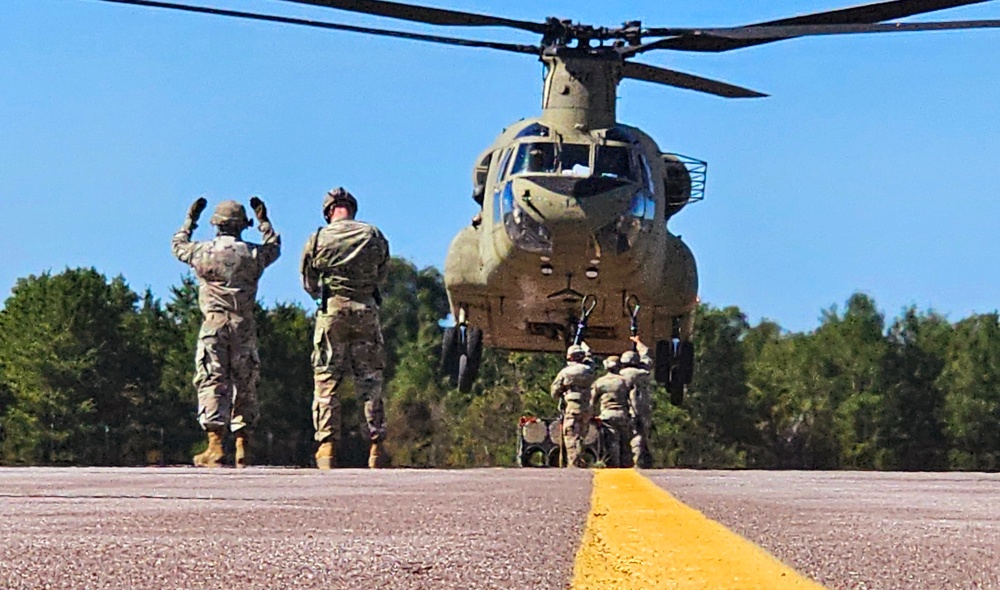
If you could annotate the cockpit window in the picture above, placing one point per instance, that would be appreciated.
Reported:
(614, 162)
(574, 159)
(619, 133)
(534, 130)
(502, 167)
(535, 157)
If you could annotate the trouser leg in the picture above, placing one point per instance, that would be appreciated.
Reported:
(212, 376)
(245, 373)
(368, 360)
(575, 425)
(328, 359)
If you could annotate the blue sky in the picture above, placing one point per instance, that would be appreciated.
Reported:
(873, 166)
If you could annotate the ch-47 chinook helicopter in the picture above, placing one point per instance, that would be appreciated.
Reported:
(573, 231)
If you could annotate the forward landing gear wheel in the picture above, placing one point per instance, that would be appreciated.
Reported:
(681, 373)
(676, 389)
(450, 353)
(664, 361)
(468, 362)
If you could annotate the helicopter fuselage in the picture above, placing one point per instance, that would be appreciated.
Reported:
(568, 213)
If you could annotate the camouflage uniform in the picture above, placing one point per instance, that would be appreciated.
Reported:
(572, 384)
(345, 262)
(226, 362)
(610, 394)
(637, 376)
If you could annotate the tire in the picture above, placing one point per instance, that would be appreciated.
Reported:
(685, 362)
(450, 353)
(474, 349)
(664, 361)
(465, 379)
(468, 362)
(676, 389)
(533, 457)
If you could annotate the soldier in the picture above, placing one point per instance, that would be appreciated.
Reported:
(343, 265)
(226, 362)
(636, 374)
(610, 394)
(572, 385)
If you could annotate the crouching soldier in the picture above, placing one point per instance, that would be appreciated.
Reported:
(610, 396)
(572, 385)
(226, 363)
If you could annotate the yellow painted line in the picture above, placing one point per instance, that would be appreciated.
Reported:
(639, 536)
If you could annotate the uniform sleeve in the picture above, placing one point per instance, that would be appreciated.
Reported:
(383, 267)
(270, 249)
(644, 358)
(558, 386)
(595, 394)
(310, 278)
(182, 246)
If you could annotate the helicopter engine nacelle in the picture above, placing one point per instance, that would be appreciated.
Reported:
(676, 184)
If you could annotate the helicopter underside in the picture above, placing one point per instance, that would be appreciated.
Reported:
(525, 301)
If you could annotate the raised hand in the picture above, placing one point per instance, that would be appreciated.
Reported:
(259, 209)
(196, 208)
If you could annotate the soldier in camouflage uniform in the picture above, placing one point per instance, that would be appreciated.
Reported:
(343, 265)
(572, 385)
(226, 362)
(637, 376)
(610, 395)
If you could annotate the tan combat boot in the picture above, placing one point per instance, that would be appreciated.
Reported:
(326, 455)
(375, 456)
(212, 457)
(242, 445)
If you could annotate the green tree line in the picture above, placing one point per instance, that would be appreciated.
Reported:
(93, 373)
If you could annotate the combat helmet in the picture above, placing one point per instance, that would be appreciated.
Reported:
(230, 213)
(576, 353)
(630, 358)
(339, 196)
(612, 363)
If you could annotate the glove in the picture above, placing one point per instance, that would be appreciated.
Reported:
(194, 212)
(259, 209)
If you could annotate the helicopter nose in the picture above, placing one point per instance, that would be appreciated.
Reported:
(558, 200)
(579, 188)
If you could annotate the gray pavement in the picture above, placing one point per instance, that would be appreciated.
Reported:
(273, 528)
(862, 531)
(482, 528)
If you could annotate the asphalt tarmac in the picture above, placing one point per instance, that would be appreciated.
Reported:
(860, 531)
(483, 528)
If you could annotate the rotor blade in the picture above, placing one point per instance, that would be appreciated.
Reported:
(530, 49)
(867, 13)
(425, 14)
(657, 75)
(791, 31)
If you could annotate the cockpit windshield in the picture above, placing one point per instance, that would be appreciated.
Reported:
(614, 161)
(573, 159)
(535, 157)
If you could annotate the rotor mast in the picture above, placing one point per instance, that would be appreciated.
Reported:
(581, 88)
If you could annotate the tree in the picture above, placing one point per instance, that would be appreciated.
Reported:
(914, 437)
(75, 371)
(971, 380)
(715, 427)
(851, 350)
(284, 435)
